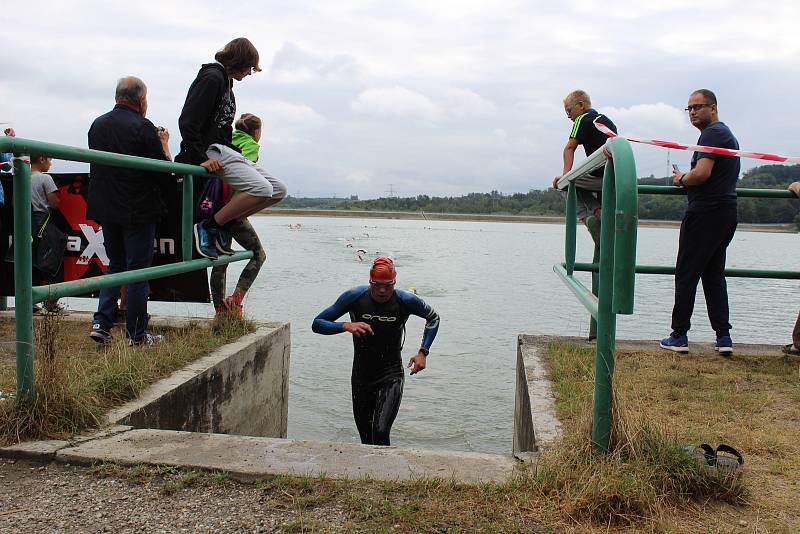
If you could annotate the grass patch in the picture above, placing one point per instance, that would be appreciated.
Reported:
(663, 402)
(77, 381)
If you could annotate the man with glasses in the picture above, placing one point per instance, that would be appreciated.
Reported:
(578, 107)
(378, 315)
(707, 227)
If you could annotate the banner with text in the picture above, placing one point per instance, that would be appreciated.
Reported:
(85, 255)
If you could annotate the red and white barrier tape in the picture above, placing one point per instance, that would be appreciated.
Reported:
(10, 164)
(699, 148)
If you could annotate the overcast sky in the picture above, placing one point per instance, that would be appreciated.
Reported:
(438, 97)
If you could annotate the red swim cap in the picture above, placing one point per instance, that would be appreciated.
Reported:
(382, 270)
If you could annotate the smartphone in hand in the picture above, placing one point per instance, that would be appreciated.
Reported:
(675, 168)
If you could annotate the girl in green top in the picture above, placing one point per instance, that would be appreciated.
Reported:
(246, 137)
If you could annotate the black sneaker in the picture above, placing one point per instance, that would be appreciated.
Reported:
(99, 335)
(224, 242)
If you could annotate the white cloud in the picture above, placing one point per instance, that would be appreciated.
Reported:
(395, 101)
(285, 122)
(463, 102)
(358, 177)
(651, 121)
(293, 64)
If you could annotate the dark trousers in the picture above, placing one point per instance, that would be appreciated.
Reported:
(796, 333)
(375, 408)
(704, 240)
(128, 248)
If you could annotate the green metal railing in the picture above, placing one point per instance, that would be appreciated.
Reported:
(614, 265)
(26, 295)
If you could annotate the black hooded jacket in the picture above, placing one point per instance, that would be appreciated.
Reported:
(208, 114)
(118, 195)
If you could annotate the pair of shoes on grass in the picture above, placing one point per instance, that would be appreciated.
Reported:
(680, 344)
(103, 337)
(724, 459)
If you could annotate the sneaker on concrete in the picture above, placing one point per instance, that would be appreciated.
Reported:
(205, 239)
(224, 242)
(724, 346)
(676, 343)
(147, 340)
(100, 335)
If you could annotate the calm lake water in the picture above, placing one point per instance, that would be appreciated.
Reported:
(489, 282)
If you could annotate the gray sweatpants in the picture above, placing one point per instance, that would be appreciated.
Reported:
(243, 175)
(586, 187)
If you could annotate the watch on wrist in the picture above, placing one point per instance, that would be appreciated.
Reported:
(680, 180)
(424, 351)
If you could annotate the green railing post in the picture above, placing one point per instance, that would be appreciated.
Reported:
(606, 321)
(187, 217)
(23, 278)
(616, 278)
(571, 229)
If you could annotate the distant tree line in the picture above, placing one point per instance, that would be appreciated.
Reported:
(550, 203)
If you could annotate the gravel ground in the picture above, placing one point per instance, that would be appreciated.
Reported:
(61, 498)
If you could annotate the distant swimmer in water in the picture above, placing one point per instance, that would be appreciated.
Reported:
(378, 314)
(360, 254)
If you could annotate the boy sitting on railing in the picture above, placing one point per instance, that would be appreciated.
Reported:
(578, 107)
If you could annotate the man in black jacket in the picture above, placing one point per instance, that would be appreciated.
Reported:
(127, 203)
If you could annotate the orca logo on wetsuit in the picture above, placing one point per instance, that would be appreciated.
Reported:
(380, 318)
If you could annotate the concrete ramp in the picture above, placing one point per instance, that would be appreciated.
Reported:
(249, 458)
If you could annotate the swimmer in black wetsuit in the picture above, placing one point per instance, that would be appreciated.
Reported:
(378, 315)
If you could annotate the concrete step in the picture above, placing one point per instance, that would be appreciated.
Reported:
(251, 458)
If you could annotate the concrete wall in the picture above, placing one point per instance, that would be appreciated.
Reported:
(524, 434)
(535, 421)
(241, 388)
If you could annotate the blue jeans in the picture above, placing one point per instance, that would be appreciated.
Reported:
(128, 248)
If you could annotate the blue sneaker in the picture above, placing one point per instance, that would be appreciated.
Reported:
(205, 240)
(224, 242)
(676, 343)
(724, 346)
